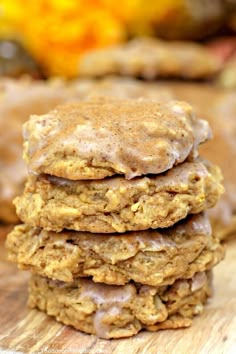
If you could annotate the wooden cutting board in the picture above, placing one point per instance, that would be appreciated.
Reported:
(30, 331)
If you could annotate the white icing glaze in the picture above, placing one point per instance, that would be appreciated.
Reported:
(106, 294)
(131, 146)
(198, 224)
(103, 329)
(198, 281)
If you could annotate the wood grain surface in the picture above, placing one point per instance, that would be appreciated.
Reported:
(30, 331)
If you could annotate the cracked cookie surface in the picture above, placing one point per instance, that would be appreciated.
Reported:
(119, 205)
(120, 311)
(149, 257)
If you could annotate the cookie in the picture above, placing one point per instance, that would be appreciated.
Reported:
(95, 139)
(111, 311)
(119, 205)
(149, 257)
(150, 58)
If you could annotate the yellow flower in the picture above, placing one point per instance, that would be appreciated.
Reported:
(56, 32)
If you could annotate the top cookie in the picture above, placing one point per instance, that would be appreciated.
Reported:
(102, 137)
(150, 58)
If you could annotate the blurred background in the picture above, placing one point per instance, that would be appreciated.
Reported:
(46, 38)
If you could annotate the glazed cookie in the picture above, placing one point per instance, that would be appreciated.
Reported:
(111, 311)
(102, 137)
(150, 58)
(148, 257)
(118, 205)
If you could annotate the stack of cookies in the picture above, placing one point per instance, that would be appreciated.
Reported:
(114, 227)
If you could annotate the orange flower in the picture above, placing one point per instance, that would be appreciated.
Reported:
(57, 31)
